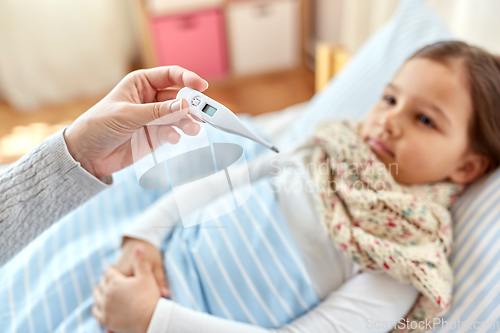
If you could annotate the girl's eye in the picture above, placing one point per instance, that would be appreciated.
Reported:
(389, 99)
(426, 120)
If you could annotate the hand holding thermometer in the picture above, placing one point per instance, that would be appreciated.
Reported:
(218, 116)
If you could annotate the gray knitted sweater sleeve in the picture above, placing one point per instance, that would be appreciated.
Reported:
(38, 190)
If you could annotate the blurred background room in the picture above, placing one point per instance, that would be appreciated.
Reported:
(58, 58)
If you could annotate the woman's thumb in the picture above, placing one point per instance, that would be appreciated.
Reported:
(160, 113)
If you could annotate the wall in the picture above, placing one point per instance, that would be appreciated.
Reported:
(471, 20)
(52, 51)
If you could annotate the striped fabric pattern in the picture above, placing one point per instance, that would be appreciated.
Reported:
(47, 287)
(242, 266)
(476, 260)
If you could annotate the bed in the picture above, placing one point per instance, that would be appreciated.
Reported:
(47, 287)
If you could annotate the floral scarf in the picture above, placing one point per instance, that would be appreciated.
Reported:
(380, 224)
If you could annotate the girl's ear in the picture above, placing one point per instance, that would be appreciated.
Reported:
(472, 167)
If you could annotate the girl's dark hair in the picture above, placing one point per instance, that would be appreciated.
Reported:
(483, 75)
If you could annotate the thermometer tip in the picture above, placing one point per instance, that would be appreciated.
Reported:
(275, 149)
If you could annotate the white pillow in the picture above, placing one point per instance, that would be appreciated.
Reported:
(352, 92)
(476, 260)
(350, 95)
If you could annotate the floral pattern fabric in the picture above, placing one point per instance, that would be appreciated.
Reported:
(381, 225)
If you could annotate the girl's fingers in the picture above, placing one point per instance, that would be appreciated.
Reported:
(102, 284)
(98, 298)
(111, 273)
(161, 281)
(98, 314)
(124, 265)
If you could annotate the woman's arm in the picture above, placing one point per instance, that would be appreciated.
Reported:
(48, 183)
(368, 302)
(38, 190)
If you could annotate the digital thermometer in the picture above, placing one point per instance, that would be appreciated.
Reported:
(218, 116)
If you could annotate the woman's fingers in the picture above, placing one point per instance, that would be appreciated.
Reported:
(167, 76)
(162, 132)
(161, 280)
(196, 118)
(166, 94)
(188, 126)
(166, 133)
(171, 93)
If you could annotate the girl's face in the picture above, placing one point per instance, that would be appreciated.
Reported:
(419, 129)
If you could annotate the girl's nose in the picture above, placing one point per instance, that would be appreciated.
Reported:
(391, 123)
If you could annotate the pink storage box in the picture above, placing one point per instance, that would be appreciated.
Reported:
(196, 41)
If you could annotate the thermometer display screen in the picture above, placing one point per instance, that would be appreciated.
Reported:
(210, 110)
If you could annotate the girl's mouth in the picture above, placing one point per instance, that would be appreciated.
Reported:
(379, 146)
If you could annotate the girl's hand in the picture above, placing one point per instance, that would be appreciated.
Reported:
(151, 254)
(126, 304)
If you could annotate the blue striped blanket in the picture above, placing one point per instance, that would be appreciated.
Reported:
(245, 268)
(242, 266)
